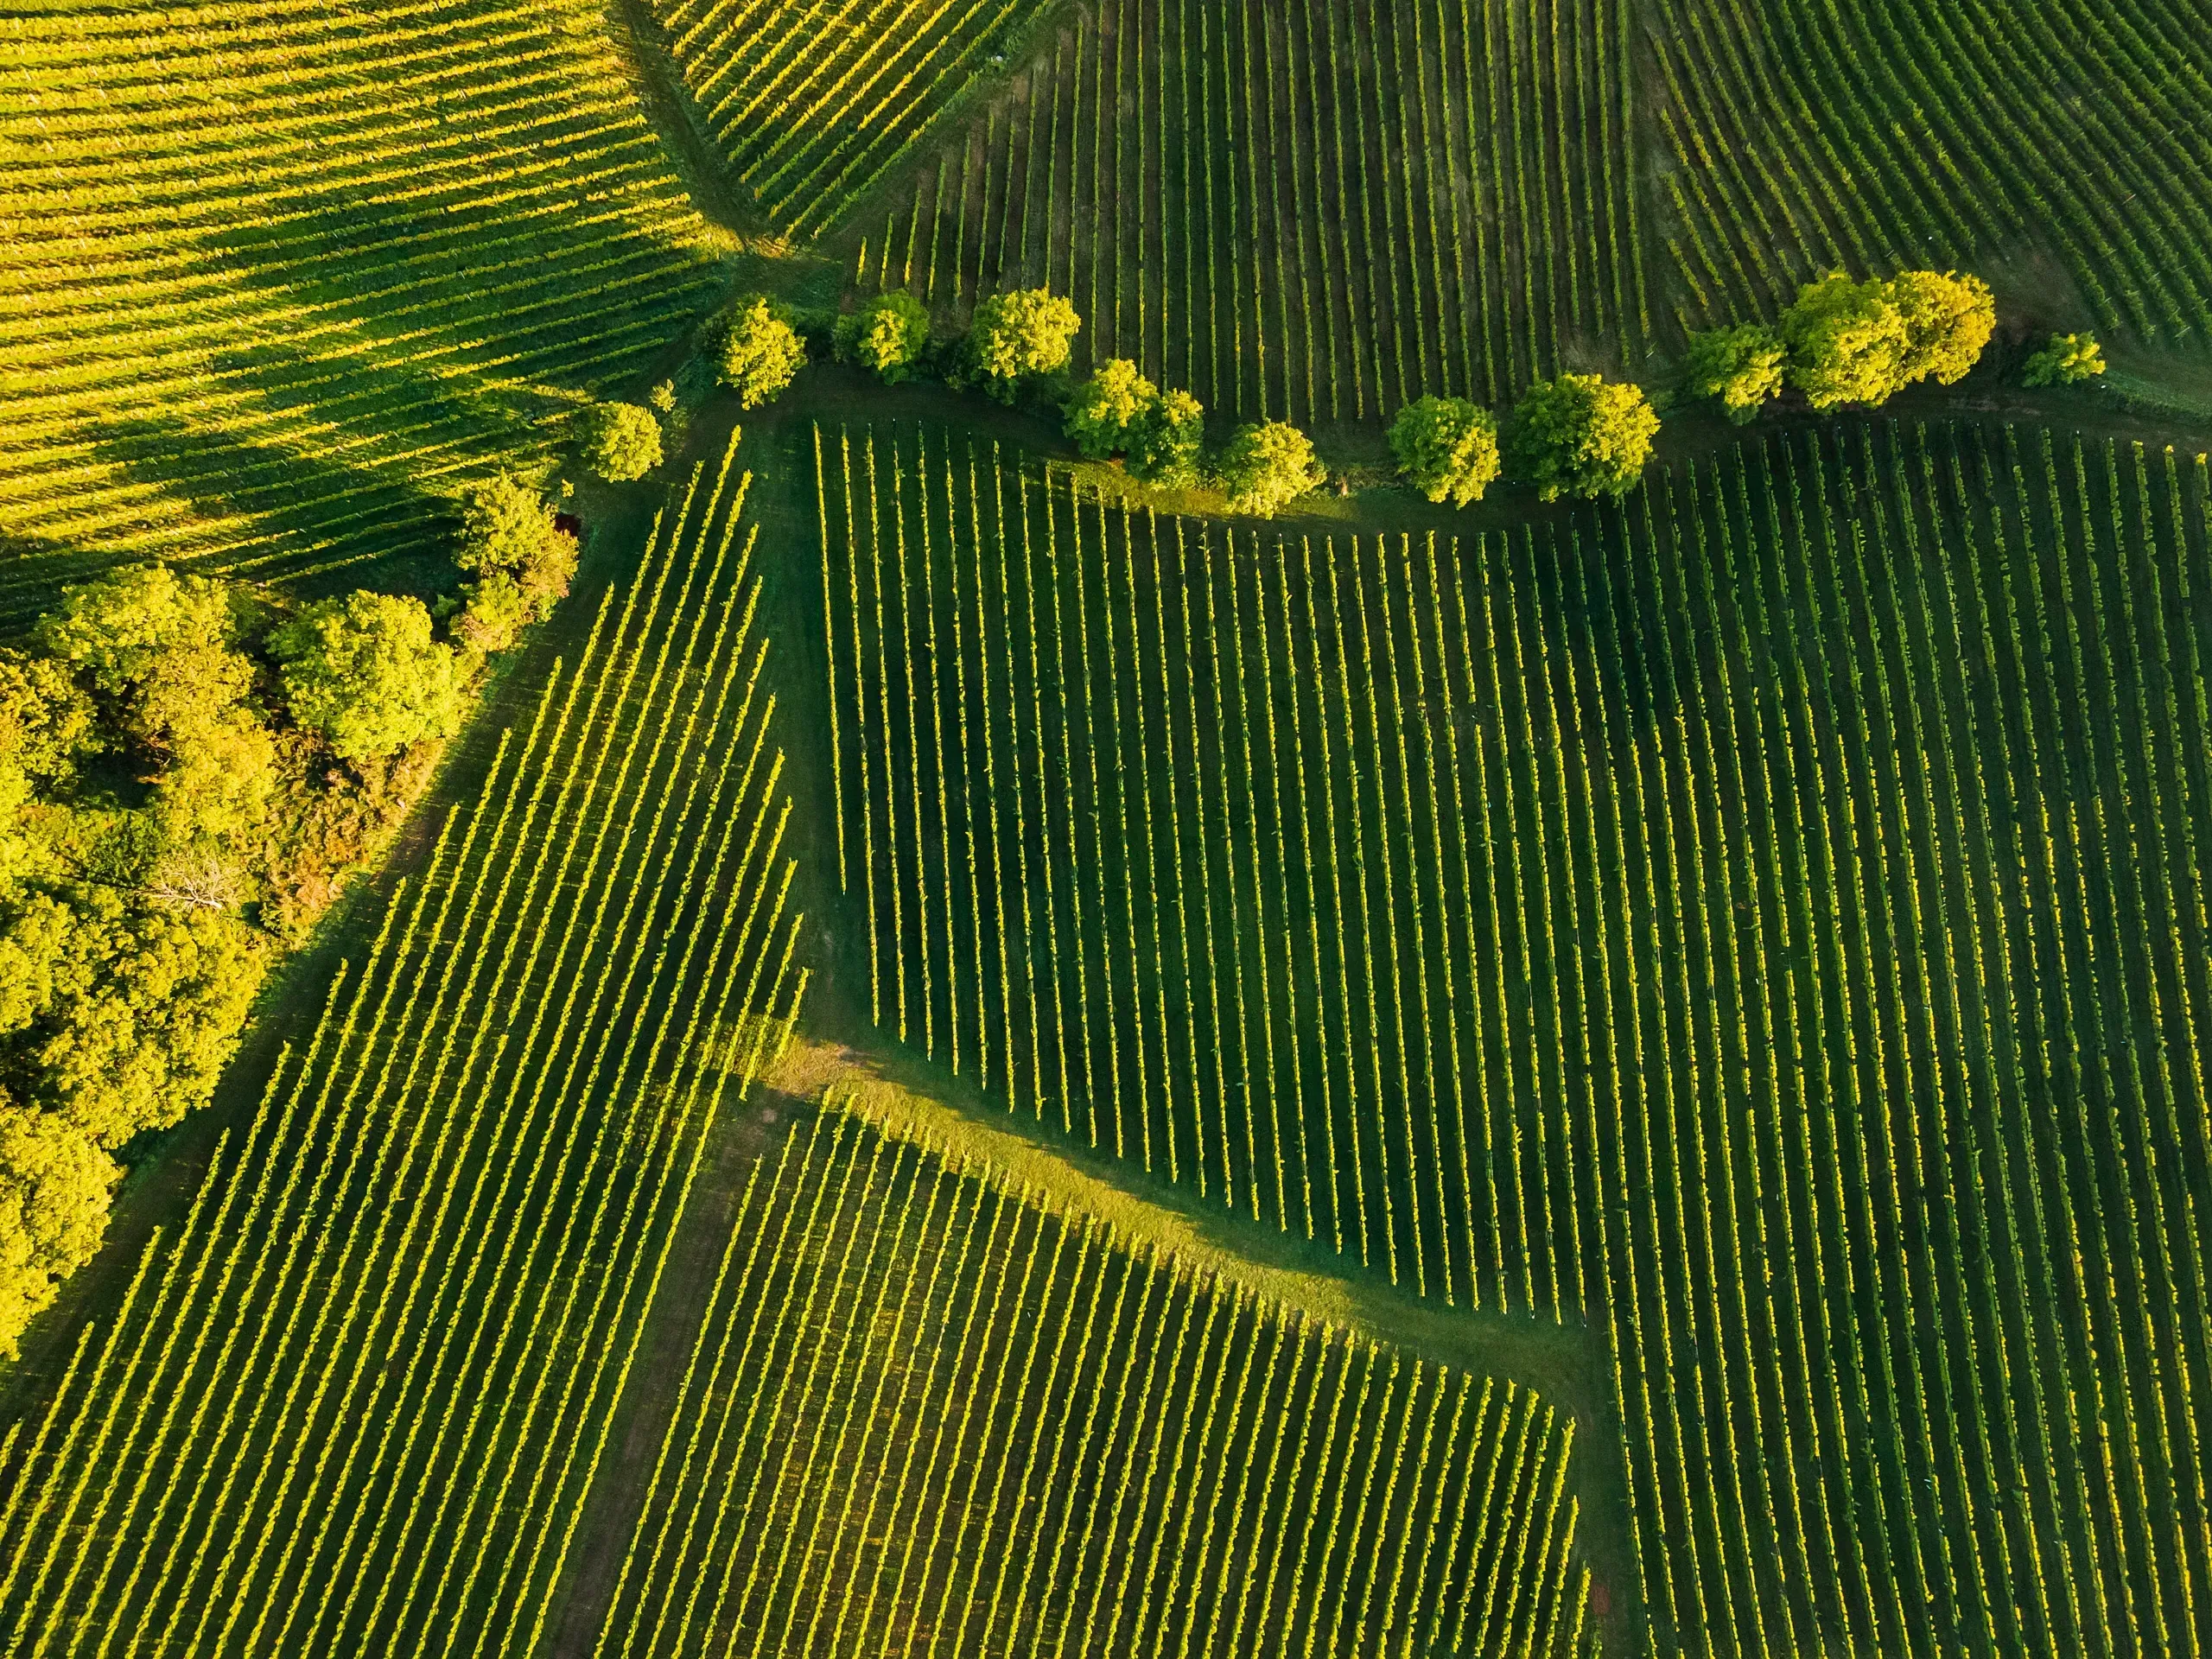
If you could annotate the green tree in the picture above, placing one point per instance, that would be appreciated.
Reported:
(365, 672)
(619, 442)
(1741, 367)
(1947, 320)
(120, 1017)
(158, 653)
(1167, 440)
(1846, 341)
(522, 558)
(1105, 410)
(1026, 332)
(1265, 467)
(1446, 448)
(1581, 435)
(888, 335)
(2068, 360)
(761, 352)
(54, 1183)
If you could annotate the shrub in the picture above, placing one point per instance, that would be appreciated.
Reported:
(761, 352)
(1268, 465)
(1029, 331)
(1446, 448)
(1104, 413)
(2068, 360)
(1947, 320)
(1581, 435)
(1165, 447)
(620, 442)
(888, 335)
(365, 672)
(1741, 367)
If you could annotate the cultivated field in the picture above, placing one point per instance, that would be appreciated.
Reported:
(274, 280)
(1314, 212)
(928, 1414)
(353, 1404)
(1870, 135)
(812, 105)
(1763, 921)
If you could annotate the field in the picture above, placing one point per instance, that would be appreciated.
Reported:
(1867, 136)
(1532, 1080)
(929, 1413)
(811, 105)
(1807, 995)
(273, 282)
(1313, 212)
(353, 1401)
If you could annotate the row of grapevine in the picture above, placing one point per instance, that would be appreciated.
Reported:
(1316, 212)
(356, 1401)
(1878, 136)
(811, 104)
(1764, 920)
(928, 1414)
(271, 278)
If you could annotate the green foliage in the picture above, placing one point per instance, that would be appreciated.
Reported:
(1947, 320)
(365, 672)
(1446, 448)
(1862, 342)
(523, 559)
(2068, 360)
(1026, 332)
(1166, 445)
(157, 652)
(888, 334)
(619, 442)
(120, 1018)
(1741, 367)
(1105, 410)
(1845, 340)
(1266, 465)
(53, 1205)
(1581, 435)
(761, 352)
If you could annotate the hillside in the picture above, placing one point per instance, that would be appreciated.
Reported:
(1013, 1027)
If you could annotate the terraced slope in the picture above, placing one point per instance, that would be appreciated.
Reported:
(812, 101)
(1876, 134)
(354, 1405)
(274, 277)
(1316, 210)
(1767, 920)
(928, 1415)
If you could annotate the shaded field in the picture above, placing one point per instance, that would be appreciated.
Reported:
(928, 1410)
(812, 105)
(1316, 212)
(1765, 919)
(1874, 136)
(355, 1398)
(273, 281)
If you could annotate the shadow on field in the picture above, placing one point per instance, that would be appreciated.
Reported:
(1568, 1364)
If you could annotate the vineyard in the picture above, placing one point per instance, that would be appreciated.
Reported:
(1315, 212)
(353, 1403)
(1763, 921)
(811, 105)
(928, 1414)
(1867, 136)
(273, 278)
